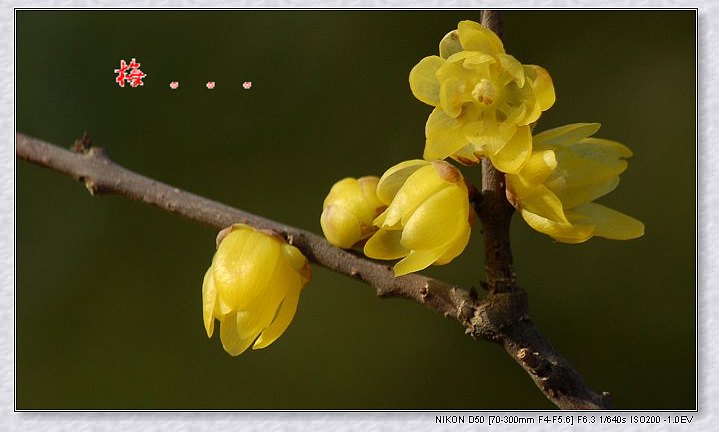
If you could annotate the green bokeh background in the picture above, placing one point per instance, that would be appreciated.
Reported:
(108, 307)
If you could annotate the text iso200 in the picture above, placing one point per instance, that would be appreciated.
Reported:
(644, 419)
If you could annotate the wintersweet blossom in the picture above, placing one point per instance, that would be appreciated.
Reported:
(484, 99)
(252, 287)
(567, 171)
(427, 219)
(349, 210)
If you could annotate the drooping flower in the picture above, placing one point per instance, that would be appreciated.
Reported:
(428, 218)
(349, 209)
(567, 171)
(484, 99)
(252, 287)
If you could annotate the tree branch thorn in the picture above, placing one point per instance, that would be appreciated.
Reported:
(536, 364)
(82, 145)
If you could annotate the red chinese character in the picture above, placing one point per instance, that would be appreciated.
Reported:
(134, 77)
(121, 73)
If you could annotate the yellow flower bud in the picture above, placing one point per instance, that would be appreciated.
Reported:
(484, 99)
(427, 221)
(349, 210)
(567, 171)
(252, 287)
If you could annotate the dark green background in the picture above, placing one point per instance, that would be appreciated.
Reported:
(108, 305)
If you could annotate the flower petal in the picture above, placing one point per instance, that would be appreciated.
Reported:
(393, 179)
(450, 96)
(380, 221)
(609, 222)
(579, 180)
(561, 231)
(476, 62)
(538, 200)
(542, 85)
(223, 306)
(576, 196)
(476, 37)
(489, 136)
(603, 151)
(340, 227)
(369, 184)
(346, 187)
(515, 153)
(513, 67)
(209, 302)
(238, 278)
(532, 112)
(230, 337)
(406, 201)
(294, 258)
(566, 135)
(515, 115)
(456, 247)
(281, 322)
(418, 260)
(250, 323)
(437, 221)
(539, 166)
(449, 44)
(349, 194)
(445, 135)
(385, 245)
(423, 80)
(418, 188)
(465, 66)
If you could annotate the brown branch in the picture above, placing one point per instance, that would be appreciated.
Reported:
(494, 210)
(101, 176)
(551, 372)
(501, 317)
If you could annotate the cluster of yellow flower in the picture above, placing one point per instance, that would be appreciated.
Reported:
(486, 103)
(419, 211)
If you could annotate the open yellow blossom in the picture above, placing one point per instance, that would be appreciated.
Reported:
(252, 287)
(427, 220)
(349, 209)
(484, 99)
(567, 171)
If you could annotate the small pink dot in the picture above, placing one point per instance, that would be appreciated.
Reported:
(211, 85)
(174, 85)
(247, 85)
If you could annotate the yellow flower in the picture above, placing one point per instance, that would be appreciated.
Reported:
(566, 172)
(427, 220)
(484, 99)
(252, 288)
(349, 209)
